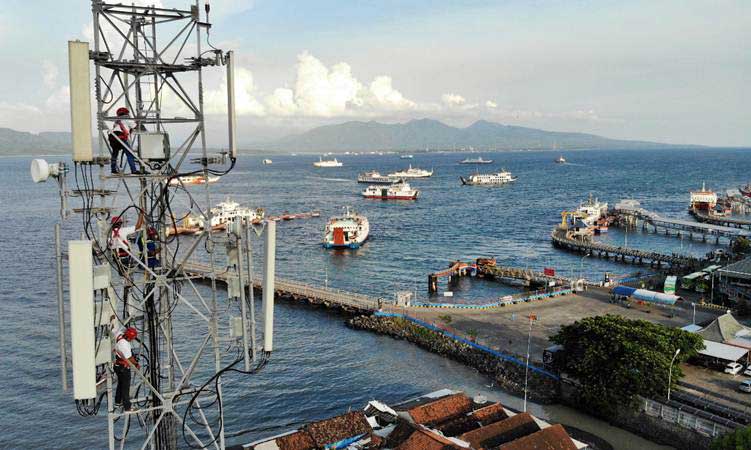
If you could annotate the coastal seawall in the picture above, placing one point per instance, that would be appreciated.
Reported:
(508, 371)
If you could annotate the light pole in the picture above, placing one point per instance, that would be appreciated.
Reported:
(526, 368)
(693, 317)
(670, 370)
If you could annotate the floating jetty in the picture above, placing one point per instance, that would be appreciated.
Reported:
(629, 213)
(293, 290)
(563, 239)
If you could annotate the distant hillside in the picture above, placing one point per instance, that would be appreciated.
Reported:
(419, 134)
(14, 142)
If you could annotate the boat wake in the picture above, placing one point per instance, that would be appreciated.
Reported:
(333, 179)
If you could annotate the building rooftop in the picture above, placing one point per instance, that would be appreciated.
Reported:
(725, 329)
(551, 438)
(443, 420)
(740, 269)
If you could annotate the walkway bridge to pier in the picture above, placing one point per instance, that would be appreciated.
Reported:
(563, 239)
(736, 222)
(629, 213)
(332, 298)
(486, 267)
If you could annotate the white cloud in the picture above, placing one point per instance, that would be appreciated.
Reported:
(383, 94)
(323, 92)
(59, 101)
(246, 102)
(282, 102)
(453, 100)
(50, 73)
(490, 104)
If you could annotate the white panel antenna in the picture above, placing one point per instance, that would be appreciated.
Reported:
(82, 319)
(231, 115)
(80, 100)
(269, 269)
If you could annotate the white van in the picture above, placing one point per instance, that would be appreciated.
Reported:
(745, 386)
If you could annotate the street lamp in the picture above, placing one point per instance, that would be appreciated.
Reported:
(526, 369)
(693, 319)
(670, 370)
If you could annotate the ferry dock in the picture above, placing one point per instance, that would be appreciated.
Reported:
(292, 290)
(724, 221)
(563, 239)
(487, 268)
(629, 213)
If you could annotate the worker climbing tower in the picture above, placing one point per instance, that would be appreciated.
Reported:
(147, 83)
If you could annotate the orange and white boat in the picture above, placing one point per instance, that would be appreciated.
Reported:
(193, 179)
(347, 231)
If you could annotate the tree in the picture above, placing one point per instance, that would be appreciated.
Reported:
(617, 359)
(739, 439)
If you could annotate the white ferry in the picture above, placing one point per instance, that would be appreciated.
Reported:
(406, 156)
(327, 163)
(223, 213)
(476, 161)
(266, 162)
(560, 160)
(193, 179)
(374, 177)
(501, 177)
(412, 172)
(347, 231)
(592, 211)
(397, 191)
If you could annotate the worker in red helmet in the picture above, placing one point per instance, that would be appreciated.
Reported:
(119, 242)
(124, 359)
(119, 140)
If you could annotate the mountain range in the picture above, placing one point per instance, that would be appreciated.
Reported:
(368, 136)
(435, 135)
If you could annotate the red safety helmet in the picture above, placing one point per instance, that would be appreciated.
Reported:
(122, 111)
(116, 220)
(130, 333)
(151, 232)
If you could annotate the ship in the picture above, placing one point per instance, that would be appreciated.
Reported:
(266, 162)
(703, 200)
(223, 213)
(592, 211)
(397, 191)
(479, 179)
(327, 163)
(560, 160)
(476, 161)
(346, 231)
(406, 156)
(192, 179)
(374, 177)
(746, 190)
(412, 172)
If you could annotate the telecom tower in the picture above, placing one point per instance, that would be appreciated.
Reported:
(151, 61)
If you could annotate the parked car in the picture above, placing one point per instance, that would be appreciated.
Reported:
(733, 368)
(747, 372)
(745, 386)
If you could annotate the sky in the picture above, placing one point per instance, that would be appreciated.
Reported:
(667, 71)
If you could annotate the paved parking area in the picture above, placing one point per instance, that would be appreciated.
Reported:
(507, 328)
(723, 387)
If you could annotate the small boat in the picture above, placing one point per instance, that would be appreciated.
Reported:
(327, 163)
(266, 162)
(498, 178)
(374, 177)
(346, 231)
(560, 160)
(412, 172)
(223, 213)
(476, 161)
(406, 156)
(397, 191)
(746, 190)
(193, 179)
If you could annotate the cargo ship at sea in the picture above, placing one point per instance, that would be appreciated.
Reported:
(327, 163)
(349, 230)
(397, 191)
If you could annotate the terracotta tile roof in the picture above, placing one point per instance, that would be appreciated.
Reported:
(337, 428)
(551, 438)
(457, 426)
(299, 440)
(489, 414)
(441, 409)
(401, 433)
(426, 440)
(501, 432)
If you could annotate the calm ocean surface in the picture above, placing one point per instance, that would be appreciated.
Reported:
(320, 368)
